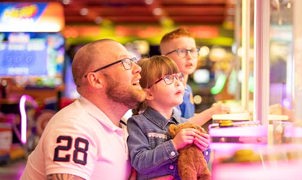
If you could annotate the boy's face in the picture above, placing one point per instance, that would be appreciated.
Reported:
(187, 64)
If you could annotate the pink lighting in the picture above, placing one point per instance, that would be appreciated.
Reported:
(252, 131)
(23, 118)
(244, 171)
(276, 162)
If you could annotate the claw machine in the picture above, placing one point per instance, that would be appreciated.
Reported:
(269, 145)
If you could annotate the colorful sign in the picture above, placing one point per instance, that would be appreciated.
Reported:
(31, 17)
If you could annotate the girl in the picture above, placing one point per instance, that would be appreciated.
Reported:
(152, 151)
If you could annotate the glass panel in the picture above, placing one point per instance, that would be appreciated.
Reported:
(281, 57)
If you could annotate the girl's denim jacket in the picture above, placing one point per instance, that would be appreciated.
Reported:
(150, 146)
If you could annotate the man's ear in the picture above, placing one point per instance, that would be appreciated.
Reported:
(95, 80)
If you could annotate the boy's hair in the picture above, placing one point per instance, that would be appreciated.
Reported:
(154, 68)
(177, 33)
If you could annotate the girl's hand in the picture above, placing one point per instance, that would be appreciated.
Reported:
(202, 141)
(187, 136)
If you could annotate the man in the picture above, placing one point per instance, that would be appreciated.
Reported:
(85, 140)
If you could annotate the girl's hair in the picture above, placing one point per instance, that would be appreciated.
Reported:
(154, 68)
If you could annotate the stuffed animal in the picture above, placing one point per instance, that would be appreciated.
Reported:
(191, 162)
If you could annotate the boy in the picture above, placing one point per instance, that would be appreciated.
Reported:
(180, 46)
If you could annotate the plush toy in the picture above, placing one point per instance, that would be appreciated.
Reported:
(191, 162)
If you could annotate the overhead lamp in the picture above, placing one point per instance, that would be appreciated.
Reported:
(149, 2)
(98, 20)
(84, 11)
(66, 2)
(157, 11)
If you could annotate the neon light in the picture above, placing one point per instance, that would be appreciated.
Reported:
(23, 118)
(220, 82)
(251, 84)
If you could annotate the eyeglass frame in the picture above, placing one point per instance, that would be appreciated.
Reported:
(132, 60)
(187, 51)
(175, 76)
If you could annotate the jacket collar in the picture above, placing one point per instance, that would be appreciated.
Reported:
(156, 118)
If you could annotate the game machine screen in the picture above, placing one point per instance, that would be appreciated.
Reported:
(31, 45)
(34, 59)
(32, 51)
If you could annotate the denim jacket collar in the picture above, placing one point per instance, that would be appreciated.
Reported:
(159, 120)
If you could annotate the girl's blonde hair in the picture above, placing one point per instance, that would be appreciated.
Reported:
(154, 68)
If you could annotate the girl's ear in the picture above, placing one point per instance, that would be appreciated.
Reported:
(149, 94)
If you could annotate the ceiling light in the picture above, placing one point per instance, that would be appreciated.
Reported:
(98, 20)
(157, 11)
(149, 2)
(84, 11)
(66, 2)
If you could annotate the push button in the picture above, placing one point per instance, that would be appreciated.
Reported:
(172, 153)
(171, 167)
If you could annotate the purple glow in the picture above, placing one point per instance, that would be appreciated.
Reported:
(293, 132)
(286, 103)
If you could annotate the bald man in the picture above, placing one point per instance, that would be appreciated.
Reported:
(86, 140)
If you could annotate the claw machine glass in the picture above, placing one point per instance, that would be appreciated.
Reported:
(269, 146)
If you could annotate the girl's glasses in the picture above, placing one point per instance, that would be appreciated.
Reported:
(169, 78)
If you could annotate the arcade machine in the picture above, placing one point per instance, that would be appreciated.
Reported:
(259, 145)
(31, 70)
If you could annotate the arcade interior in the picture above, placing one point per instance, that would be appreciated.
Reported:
(249, 59)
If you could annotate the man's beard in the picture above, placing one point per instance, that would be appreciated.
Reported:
(130, 96)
